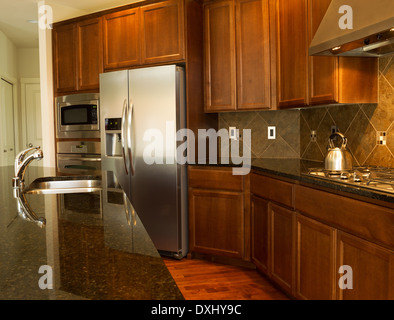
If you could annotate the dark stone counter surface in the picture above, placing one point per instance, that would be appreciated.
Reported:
(296, 169)
(93, 247)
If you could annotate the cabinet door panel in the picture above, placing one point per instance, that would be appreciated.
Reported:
(65, 48)
(260, 233)
(253, 59)
(217, 222)
(292, 55)
(282, 246)
(372, 269)
(315, 260)
(220, 62)
(122, 39)
(90, 61)
(323, 72)
(163, 32)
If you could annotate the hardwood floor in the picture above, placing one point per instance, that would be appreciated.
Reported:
(205, 280)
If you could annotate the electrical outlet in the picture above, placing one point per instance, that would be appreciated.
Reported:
(233, 133)
(313, 135)
(381, 138)
(271, 132)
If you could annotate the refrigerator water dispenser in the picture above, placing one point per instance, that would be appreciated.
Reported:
(113, 137)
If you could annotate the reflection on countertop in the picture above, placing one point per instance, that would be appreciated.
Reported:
(94, 242)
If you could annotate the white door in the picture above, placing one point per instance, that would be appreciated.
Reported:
(31, 114)
(7, 123)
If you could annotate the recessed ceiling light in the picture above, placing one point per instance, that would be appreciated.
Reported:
(392, 29)
(32, 21)
(336, 48)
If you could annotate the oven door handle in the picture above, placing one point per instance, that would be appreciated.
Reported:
(124, 115)
(79, 159)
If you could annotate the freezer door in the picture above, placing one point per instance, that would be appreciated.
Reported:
(155, 185)
(114, 102)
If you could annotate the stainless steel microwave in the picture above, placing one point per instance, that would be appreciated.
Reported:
(78, 116)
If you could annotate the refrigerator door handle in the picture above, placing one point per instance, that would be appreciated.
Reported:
(130, 136)
(124, 114)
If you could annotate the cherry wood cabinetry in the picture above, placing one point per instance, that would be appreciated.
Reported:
(144, 35)
(273, 229)
(301, 237)
(77, 56)
(64, 58)
(316, 278)
(302, 80)
(162, 29)
(260, 240)
(237, 61)
(372, 269)
(343, 232)
(282, 253)
(122, 39)
(291, 53)
(217, 204)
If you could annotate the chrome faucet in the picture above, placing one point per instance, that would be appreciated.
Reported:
(18, 182)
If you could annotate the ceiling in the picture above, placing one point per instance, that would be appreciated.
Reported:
(15, 13)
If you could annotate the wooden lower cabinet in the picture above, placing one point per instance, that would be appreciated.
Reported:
(372, 269)
(282, 243)
(315, 260)
(259, 233)
(216, 222)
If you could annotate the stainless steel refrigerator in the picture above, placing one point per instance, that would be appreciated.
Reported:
(141, 108)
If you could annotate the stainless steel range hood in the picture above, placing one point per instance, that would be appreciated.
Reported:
(369, 29)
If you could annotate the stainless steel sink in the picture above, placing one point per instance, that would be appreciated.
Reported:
(69, 184)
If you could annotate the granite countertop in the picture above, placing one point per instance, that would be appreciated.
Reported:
(296, 169)
(94, 244)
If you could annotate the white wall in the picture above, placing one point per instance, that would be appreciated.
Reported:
(28, 62)
(8, 60)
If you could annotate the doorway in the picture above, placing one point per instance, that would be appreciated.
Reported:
(7, 121)
(31, 114)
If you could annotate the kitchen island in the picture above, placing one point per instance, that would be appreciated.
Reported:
(93, 246)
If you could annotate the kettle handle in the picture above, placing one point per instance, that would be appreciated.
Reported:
(344, 140)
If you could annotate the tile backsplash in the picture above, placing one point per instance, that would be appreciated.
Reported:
(360, 123)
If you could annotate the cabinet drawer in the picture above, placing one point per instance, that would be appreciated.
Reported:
(367, 220)
(272, 189)
(215, 178)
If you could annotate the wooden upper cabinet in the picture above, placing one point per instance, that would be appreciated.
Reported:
(162, 27)
(90, 56)
(122, 39)
(303, 80)
(253, 55)
(323, 71)
(292, 53)
(220, 59)
(64, 58)
(237, 57)
(77, 56)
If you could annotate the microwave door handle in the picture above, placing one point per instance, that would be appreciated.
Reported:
(130, 136)
(124, 114)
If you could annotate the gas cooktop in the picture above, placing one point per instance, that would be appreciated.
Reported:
(370, 177)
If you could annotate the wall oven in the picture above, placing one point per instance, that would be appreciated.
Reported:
(83, 155)
(77, 116)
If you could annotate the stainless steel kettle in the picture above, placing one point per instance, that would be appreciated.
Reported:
(338, 158)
